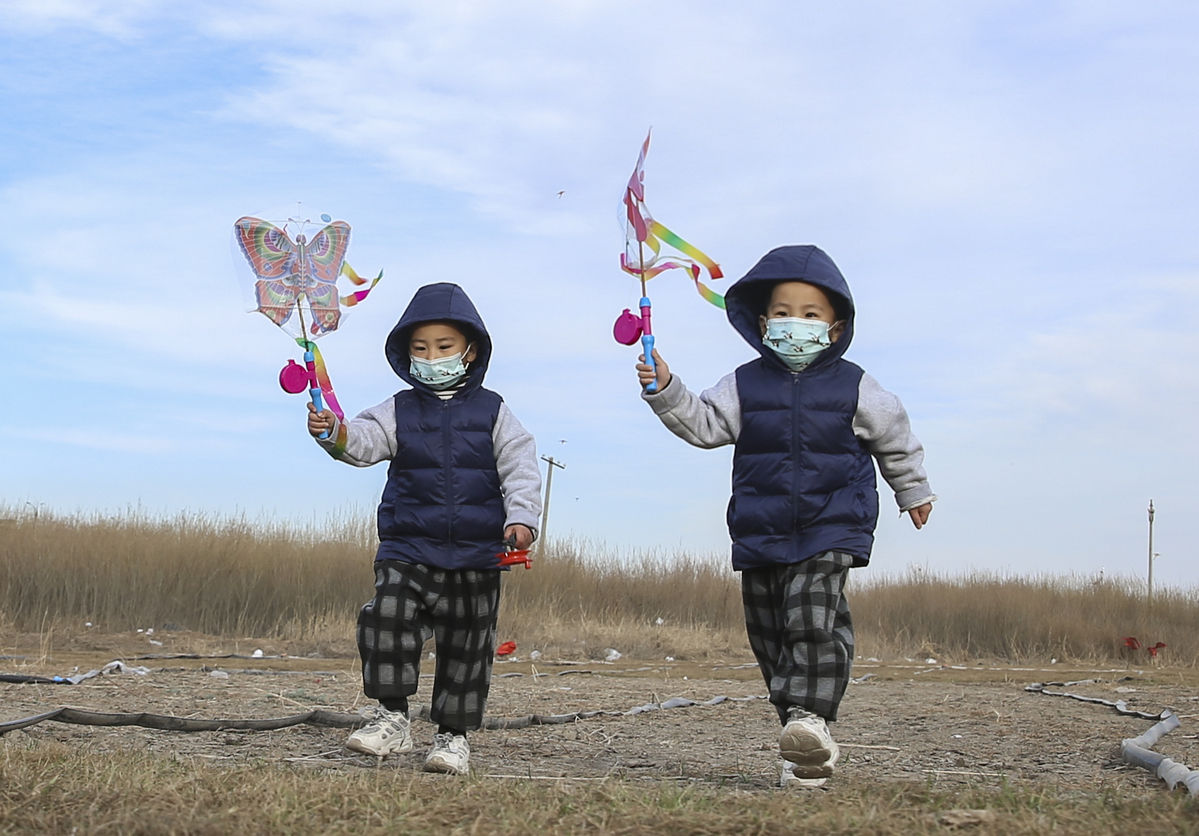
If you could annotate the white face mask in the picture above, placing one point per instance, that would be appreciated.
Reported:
(441, 373)
(797, 342)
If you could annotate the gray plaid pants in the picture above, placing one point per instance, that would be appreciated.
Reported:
(458, 609)
(799, 628)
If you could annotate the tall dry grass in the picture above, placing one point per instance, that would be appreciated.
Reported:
(242, 577)
(980, 616)
(193, 572)
(582, 599)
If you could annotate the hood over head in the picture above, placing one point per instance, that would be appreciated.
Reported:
(746, 300)
(441, 302)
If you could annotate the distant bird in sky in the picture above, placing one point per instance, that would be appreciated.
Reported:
(561, 193)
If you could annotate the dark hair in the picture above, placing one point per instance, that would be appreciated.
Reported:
(840, 306)
(468, 331)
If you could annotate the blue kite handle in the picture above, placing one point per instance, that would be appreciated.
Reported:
(315, 394)
(314, 391)
(647, 342)
(647, 345)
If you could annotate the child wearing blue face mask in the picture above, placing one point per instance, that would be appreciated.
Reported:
(463, 482)
(807, 427)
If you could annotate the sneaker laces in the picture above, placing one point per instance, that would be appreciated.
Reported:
(374, 720)
(446, 741)
(378, 718)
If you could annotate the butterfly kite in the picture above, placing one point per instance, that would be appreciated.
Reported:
(295, 270)
(643, 233)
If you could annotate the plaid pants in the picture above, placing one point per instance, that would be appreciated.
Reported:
(800, 631)
(458, 608)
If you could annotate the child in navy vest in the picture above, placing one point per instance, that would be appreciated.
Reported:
(807, 427)
(463, 481)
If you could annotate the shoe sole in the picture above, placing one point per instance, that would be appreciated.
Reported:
(359, 746)
(803, 783)
(812, 758)
(444, 768)
(809, 773)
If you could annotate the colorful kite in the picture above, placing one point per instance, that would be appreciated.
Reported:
(642, 232)
(295, 267)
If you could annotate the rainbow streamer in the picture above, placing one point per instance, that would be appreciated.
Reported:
(358, 295)
(322, 376)
(339, 446)
(652, 234)
(657, 234)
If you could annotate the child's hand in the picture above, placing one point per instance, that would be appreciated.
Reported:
(319, 422)
(645, 375)
(920, 515)
(519, 535)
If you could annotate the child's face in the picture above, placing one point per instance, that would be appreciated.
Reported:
(434, 340)
(800, 300)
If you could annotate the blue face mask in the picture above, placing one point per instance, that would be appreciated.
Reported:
(797, 342)
(441, 373)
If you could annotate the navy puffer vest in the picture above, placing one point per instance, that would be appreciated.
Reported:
(442, 505)
(802, 482)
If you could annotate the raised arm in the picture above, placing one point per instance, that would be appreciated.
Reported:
(367, 438)
(711, 419)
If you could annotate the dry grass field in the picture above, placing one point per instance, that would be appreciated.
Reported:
(939, 731)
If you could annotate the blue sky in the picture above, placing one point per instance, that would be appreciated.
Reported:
(1009, 188)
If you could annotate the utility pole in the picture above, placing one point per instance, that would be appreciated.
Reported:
(1150, 596)
(545, 508)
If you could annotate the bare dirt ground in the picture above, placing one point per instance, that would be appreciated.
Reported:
(912, 721)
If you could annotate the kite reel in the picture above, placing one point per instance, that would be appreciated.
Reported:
(294, 378)
(627, 329)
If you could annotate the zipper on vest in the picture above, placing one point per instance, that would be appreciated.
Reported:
(795, 449)
(447, 469)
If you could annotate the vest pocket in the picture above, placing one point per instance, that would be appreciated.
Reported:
(865, 506)
(858, 506)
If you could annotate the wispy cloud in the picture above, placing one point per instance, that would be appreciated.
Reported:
(114, 20)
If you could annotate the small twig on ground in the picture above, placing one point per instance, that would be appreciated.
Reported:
(323, 756)
(546, 777)
(965, 772)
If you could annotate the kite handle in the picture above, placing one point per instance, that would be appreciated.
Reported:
(647, 343)
(314, 391)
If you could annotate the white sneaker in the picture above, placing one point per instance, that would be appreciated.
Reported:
(385, 733)
(450, 754)
(788, 778)
(806, 743)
